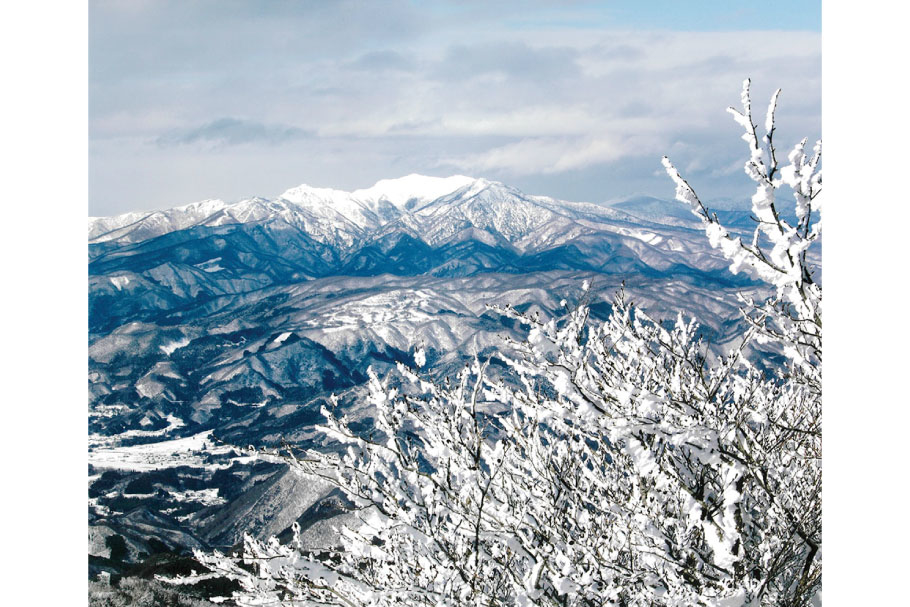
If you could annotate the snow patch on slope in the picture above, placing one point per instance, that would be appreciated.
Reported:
(119, 282)
(170, 347)
(190, 451)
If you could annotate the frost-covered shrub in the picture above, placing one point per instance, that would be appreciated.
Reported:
(626, 466)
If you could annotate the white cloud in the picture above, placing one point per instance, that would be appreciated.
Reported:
(551, 155)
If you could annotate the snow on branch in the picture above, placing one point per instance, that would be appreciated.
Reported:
(778, 252)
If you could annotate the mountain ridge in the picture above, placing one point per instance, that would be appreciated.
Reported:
(413, 199)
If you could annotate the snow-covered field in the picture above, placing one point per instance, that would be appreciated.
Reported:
(193, 451)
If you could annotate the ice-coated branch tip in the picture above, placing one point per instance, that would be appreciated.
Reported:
(745, 95)
(772, 106)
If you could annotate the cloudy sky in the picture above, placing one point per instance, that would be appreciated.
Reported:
(576, 100)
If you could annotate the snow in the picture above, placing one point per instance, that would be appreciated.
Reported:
(207, 206)
(206, 497)
(149, 388)
(100, 442)
(119, 281)
(211, 265)
(276, 343)
(424, 189)
(163, 454)
(169, 348)
(420, 357)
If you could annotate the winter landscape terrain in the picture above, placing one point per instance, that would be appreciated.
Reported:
(216, 327)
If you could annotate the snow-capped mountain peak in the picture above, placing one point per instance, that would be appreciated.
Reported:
(207, 206)
(304, 194)
(421, 188)
(373, 207)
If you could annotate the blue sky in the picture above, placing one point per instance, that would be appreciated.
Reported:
(577, 100)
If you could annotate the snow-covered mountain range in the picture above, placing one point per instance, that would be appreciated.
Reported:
(233, 321)
(455, 226)
(432, 209)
